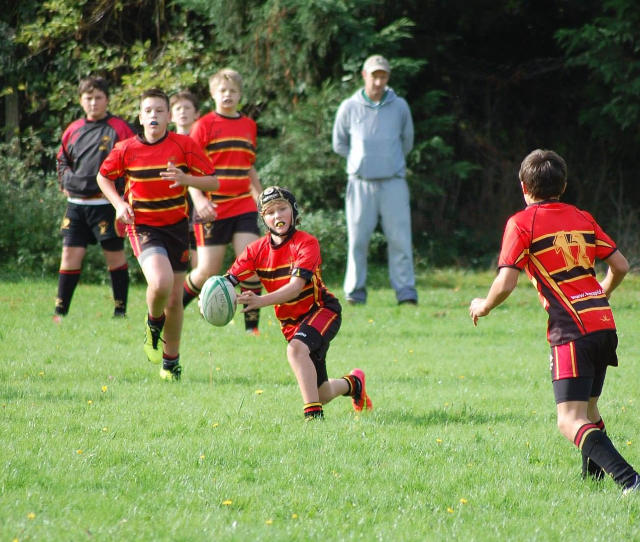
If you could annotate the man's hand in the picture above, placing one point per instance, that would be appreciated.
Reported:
(478, 309)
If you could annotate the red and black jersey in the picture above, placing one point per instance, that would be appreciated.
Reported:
(557, 244)
(85, 144)
(299, 256)
(230, 144)
(153, 202)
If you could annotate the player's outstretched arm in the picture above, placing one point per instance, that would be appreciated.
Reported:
(502, 286)
(286, 293)
(618, 269)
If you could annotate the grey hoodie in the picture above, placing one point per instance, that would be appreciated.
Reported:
(374, 139)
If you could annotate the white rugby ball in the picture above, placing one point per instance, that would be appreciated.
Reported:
(218, 301)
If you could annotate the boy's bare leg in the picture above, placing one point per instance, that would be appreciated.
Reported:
(304, 370)
(159, 275)
(333, 388)
(210, 261)
(174, 317)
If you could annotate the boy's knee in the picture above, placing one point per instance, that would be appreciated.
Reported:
(296, 350)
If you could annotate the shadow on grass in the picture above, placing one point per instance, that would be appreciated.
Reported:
(442, 416)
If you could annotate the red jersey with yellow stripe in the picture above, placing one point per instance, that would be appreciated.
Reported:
(557, 244)
(230, 144)
(299, 256)
(153, 202)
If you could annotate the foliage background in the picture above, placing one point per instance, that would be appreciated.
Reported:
(487, 81)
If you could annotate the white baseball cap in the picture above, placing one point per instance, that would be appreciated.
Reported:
(375, 63)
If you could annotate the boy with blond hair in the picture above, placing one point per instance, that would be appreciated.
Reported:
(158, 166)
(229, 139)
(557, 245)
(287, 261)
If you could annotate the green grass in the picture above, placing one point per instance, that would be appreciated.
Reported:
(462, 443)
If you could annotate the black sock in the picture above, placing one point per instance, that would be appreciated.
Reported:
(67, 281)
(252, 317)
(120, 287)
(189, 291)
(170, 362)
(589, 467)
(156, 322)
(355, 386)
(313, 410)
(597, 446)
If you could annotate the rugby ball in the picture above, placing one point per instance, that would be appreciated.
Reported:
(217, 301)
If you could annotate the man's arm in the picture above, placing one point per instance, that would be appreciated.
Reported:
(407, 133)
(502, 286)
(341, 138)
(618, 269)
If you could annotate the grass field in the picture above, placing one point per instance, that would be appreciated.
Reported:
(462, 444)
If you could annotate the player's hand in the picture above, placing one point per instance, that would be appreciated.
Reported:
(251, 300)
(206, 211)
(176, 175)
(124, 213)
(477, 309)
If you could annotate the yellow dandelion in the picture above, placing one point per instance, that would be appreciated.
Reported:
(78, 452)
(294, 516)
(371, 320)
(227, 503)
(450, 510)
(439, 440)
(104, 429)
(624, 409)
(41, 373)
(259, 392)
(629, 443)
(31, 515)
(217, 368)
(269, 522)
(446, 404)
(461, 377)
(410, 351)
(202, 457)
(89, 402)
(104, 389)
(463, 501)
(216, 424)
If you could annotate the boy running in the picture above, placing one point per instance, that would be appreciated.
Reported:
(89, 217)
(158, 166)
(287, 261)
(185, 111)
(557, 244)
(229, 139)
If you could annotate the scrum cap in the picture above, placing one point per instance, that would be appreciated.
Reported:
(275, 193)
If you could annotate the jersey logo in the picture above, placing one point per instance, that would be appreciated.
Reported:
(573, 247)
(605, 318)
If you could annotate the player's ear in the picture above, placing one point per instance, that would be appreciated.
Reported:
(563, 188)
(524, 188)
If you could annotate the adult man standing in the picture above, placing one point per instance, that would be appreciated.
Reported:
(89, 217)
(373, 130)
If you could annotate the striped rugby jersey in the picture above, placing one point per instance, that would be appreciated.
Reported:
(557, 244)
(153, 202)
(230, 144)
(299, 256)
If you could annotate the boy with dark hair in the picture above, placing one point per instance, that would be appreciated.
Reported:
(89, 217)
(158, 166)
(229, 139)
(557, 244)
(287, 261)
(185, 111)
